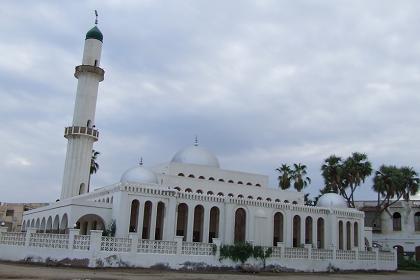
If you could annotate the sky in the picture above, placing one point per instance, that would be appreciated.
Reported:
(259, 82)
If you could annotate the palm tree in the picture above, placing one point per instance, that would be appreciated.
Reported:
(284, 177)
(299, 177)
(94, 166)
(332, 171)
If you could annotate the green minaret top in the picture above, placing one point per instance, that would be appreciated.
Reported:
(95, 33)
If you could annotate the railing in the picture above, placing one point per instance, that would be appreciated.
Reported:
(296, 253)
(367, 256)
(115, 244)
(81, 130)
(386, 256)
(198, 248)
(81, 242)
(321, 254)
(12, 238)
(156, 247)
(49, 240)
(345, 255)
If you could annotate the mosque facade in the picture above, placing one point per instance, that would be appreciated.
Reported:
(182, 211)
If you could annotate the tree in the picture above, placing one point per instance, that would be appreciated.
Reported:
(332, 172)
(285, 176)
(262, 253)
(299, 177)
(393, 184)
(94, 166)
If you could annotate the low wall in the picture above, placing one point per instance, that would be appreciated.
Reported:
(94, 250)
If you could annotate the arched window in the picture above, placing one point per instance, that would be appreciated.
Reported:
(210, 193)
(396, 221)
(250, 197)
(356, 234)
(258, 185)
(249, 184)
(278, 228)
(240, 225)
(147, 220)
(201, 177)
(240, 183)
(417, 223)
(191, 176)
(230, 181)
(177, 188)
(277, 200)
(296, 231)
(220, 194)
(259, 198)
(199, 191)
(308, 230)
(240, 196)
(198, 223)
(64, 224)
(231, 195)
(182, 220)
(294, 202)
(320, 233)
(181, 174)
(211, 179)
(286, 201)
(340, 236)
(221, 180)
(268, 199)
(188, 190)
(214, 224)
(348, 236)
(134, 216)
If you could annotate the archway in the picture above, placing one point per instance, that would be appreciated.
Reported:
(356, 234)
(147, 219)
(56, 224)
(64, 224)
(49, 225)
(214, 224)
(182, 220)
(134, 216)
(37, 224)
(340, 236)
(42, 228)
(89, 222)
(278, 228)
(320, 232)
(160, 215)
(198, 223)
(240, 225)
(348, 236)
(308, 230)
(396, 221)
(296, 231)
(400, 251)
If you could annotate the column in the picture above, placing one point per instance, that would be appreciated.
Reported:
(314, 233)
(140, 219)
(206, 224)
(288, 230)
(190, 224)
(153, 221)
(302, 230)
(72, 232)
(169, 221)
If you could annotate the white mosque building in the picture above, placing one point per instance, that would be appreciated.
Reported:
(183, 210)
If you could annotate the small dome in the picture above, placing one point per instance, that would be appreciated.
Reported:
(196, 155)
(95, 33)
(139, 174)
(332, 200)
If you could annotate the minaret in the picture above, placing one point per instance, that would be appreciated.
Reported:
(83, 133)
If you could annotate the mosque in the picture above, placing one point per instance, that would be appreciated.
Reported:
(179, 210)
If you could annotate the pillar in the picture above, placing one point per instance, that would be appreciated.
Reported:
(206, 224)
(153, 221)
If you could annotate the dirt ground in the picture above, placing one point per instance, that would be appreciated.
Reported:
(30, 271)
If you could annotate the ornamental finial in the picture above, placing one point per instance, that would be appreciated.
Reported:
(141, 161)
(96, 17)
(196, 141)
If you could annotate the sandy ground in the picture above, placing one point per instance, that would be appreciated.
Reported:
(28, 271)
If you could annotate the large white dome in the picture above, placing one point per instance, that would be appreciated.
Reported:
(196, 155)
(139, 174)
(332, 200)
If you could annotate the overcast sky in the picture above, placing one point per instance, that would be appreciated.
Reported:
(260, 82)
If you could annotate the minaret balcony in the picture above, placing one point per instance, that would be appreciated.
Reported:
(91, 69)
(81, 130)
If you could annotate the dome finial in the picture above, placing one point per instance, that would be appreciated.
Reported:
(141, 161)
(96, 17)
(196, 141)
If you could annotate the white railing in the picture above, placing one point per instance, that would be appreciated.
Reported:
(321, 254)
(12, 238)
(49, 240)
(345, 255)
(386, 256)
(157, 247)
(367, 256)
(198, 248)
(115, 244)
(296, 253)
(81, 242)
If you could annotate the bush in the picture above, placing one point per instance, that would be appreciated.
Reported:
(242, 251)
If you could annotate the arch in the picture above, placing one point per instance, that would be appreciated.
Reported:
(221, 180)
(28, 224)
(182, 220)
(210, 193)
(296, 231)
(249, 184)
(259, 198)
(198, 223)
(220, 194)
(250, 197)
(191, 176)
(181, 175)
(64, 224)
(417, 223)
(240, 196)
(23, 226)
(400, 251)
(348, 236)
(134, 216)
(107, 200)
(257, 185)
(147, 219)
(286, 201)
(202, 177)
(82, 188)
(277, 200)
(89, 222)
(230, 181)
(340, 236)
(230, 195)
(188, 190)
(56, 224)
(278, 228)
(177, 188)
(240, 225)
(268, 199)
(211, 179)
(42, 228)
(396, 221)
(356, 234)
(37, 224)
(199, 191)
(308, 230)
(240, 183)
(160, 216)
(294, 202)
(320, 233)
(33, 223)
(214, 223)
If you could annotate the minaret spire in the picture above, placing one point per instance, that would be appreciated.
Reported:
(96, 17)
(196, 141)
(141, 161)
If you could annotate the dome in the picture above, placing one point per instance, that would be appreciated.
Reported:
(332, 200)
(139, 174)
(196, 155)
(95, 33)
